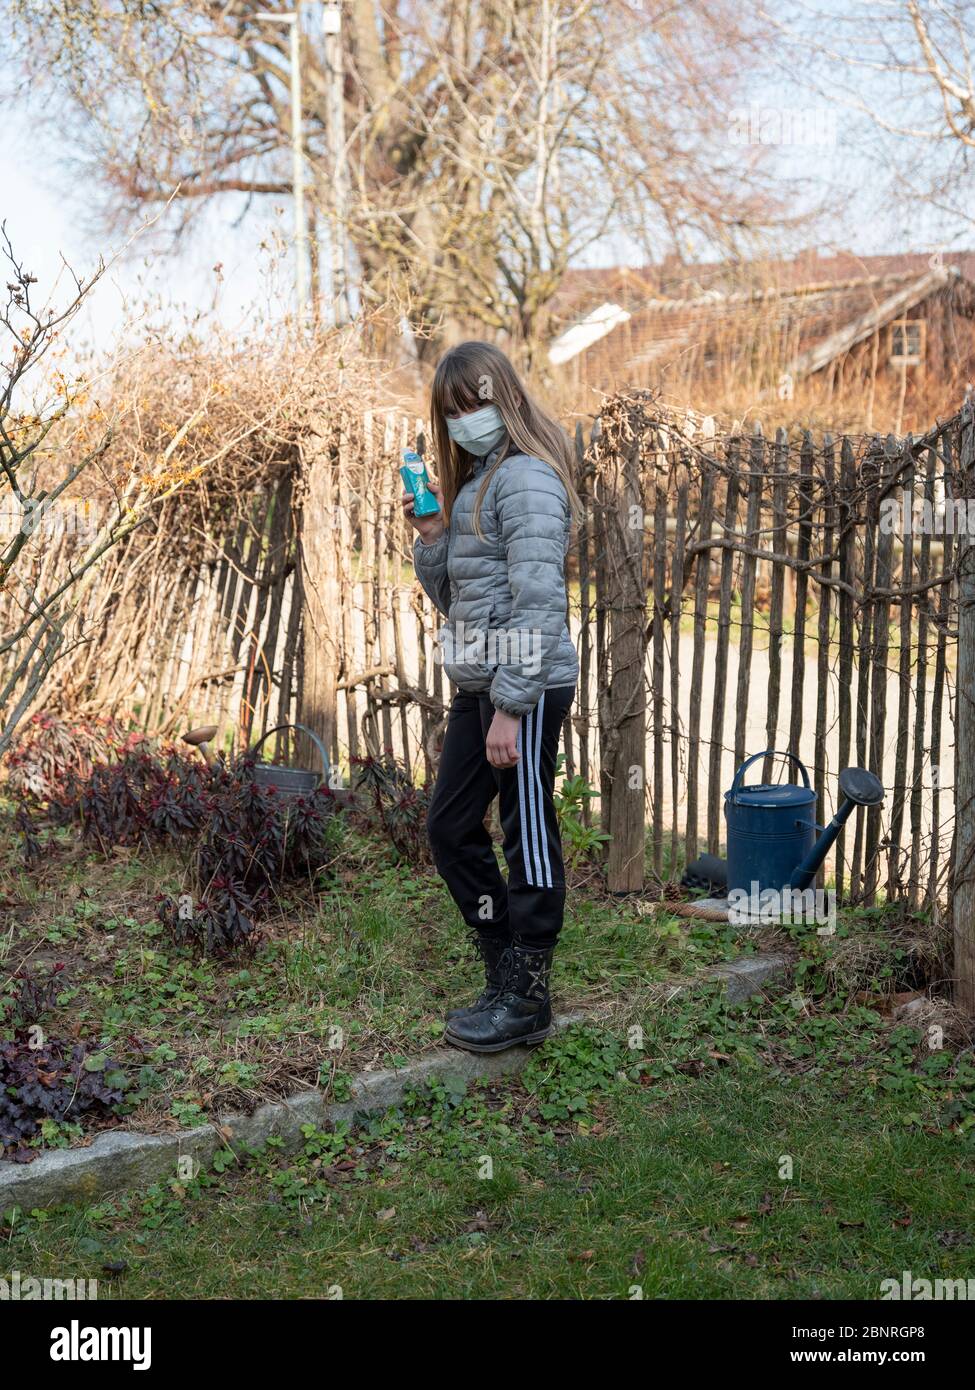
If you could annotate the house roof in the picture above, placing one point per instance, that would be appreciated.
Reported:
(809, 321)
(894, 305)
(582, 288)
(603, 319)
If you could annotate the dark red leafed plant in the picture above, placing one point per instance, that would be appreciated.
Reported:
(249, 843)
(29, 995)
(400, 807)
(46, 1078)
(138, 798)
(48, 749)
(245, 841)
(58, 1081)
(253, 843)
(219, 923)
(259, 838)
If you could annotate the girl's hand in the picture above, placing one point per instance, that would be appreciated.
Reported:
(429, 528)
(501, 745)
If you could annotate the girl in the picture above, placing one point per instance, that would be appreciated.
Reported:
(493, 563)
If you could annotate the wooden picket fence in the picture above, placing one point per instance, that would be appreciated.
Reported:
(753, 593)
(728, 592)
(172, 632)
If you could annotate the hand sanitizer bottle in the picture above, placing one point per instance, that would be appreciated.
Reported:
(415, 480)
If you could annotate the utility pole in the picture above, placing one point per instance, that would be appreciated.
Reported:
(332, 27)
(297, 159)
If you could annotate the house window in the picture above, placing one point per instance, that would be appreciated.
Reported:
(907, 342)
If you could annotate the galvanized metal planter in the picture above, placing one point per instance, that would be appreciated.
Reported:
(291, 781)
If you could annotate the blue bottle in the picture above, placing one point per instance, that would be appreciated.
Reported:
(415, 480)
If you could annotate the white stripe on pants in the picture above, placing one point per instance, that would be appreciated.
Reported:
(531, 800)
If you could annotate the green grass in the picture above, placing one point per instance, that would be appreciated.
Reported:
(359, 968)
(806, 1146)
(660, 1172)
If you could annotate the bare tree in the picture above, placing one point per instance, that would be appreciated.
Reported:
(489, 142)
(903, 69)
(55, 448)
(28, 422)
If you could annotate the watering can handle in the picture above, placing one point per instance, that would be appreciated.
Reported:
(305, 730)
(769, 752)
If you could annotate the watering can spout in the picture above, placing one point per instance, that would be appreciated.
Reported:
(859, 788)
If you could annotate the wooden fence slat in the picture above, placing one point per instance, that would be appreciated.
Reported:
(583, 544)
(383, 590)
(963, 875)
(824, 635)
(676, 609)
(847, 568)
(396, 541)
(878, 679)
(702, 584)
(803, 542)
(901, 788)
(623, 742)
(779, 539)
(258, 661)
(344, 495)
(938, 689)
(659, 617)
(732, 483)
(920, 690)
(864, 650)
(753, 519)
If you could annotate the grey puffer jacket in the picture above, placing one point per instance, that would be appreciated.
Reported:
(504, 596)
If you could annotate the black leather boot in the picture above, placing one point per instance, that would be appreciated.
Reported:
(492, 947)
(521, 1014)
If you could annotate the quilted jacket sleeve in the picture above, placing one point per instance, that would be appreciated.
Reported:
(532, 508)
(430, 564)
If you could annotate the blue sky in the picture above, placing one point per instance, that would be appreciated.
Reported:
(47, 216)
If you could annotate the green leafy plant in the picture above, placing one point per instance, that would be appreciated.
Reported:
(577, 1066)
(582, 842)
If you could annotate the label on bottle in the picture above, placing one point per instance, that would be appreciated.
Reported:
(414, 475)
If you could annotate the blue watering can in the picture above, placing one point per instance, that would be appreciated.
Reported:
(773, 838)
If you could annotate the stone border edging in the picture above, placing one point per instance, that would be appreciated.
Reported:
(122, 1159)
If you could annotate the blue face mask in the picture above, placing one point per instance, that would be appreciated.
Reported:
(478, 432)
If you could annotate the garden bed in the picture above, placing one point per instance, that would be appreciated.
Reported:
(340, 956)
(352, 971)
(796, 1147)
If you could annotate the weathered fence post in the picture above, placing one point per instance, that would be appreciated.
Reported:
(725, 593)
(583, 547)
(880, 647)
(321, 600)
(622, 597)
(963, 886)
(661, 442)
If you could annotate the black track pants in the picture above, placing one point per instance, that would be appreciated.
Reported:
(529, 907)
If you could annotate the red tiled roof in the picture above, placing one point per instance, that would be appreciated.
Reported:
(583, 289)
(791, 309)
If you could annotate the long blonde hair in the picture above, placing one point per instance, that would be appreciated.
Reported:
(470, 376)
